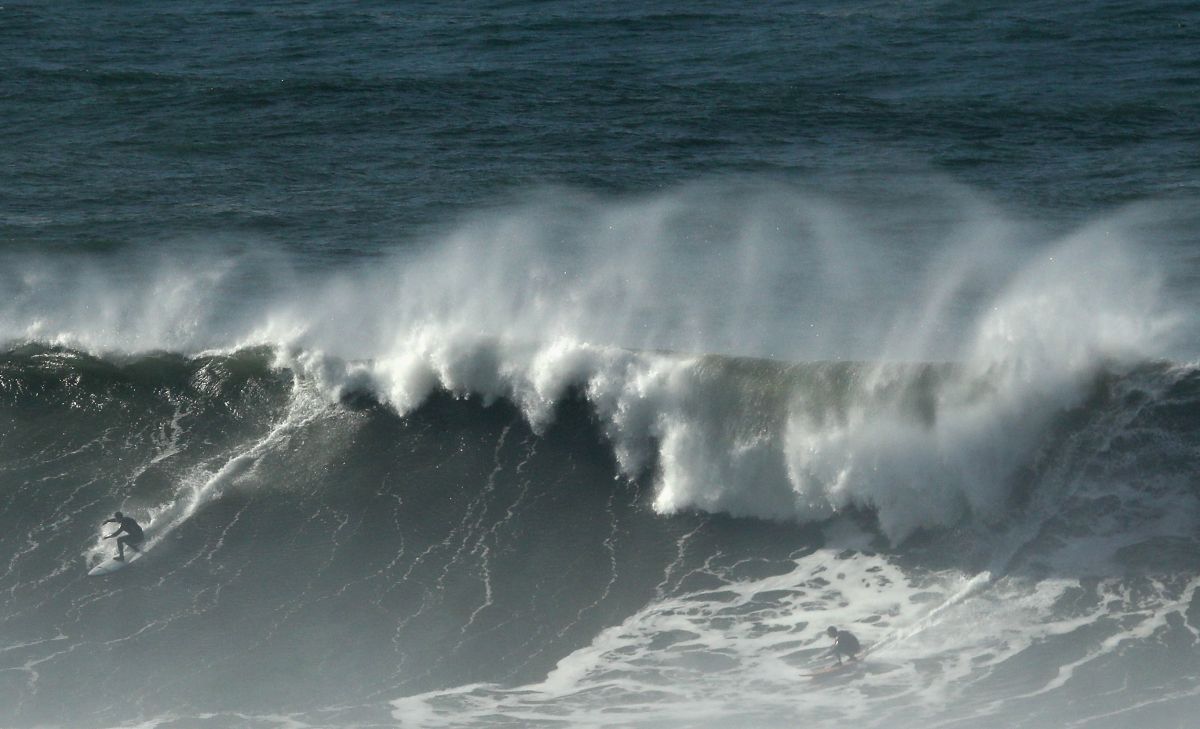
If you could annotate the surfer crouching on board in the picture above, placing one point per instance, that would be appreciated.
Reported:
(133, 534)
(844, 644)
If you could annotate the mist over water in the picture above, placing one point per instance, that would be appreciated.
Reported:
(761, 269)
(623, 299)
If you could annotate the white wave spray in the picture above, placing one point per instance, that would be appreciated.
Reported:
(570, 293)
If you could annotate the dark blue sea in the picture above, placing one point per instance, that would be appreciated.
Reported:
(578, 365)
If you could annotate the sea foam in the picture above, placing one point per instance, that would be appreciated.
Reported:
(704, 327)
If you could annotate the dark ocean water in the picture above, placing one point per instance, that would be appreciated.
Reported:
(560, 364)
(338, 129)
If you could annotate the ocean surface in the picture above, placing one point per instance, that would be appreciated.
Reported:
(577, 365)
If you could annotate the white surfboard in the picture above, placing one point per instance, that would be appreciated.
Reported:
(112, 564)
(846, 667)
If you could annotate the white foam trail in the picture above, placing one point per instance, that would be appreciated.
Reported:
(944, 649)
(737, 654)
(202, 486)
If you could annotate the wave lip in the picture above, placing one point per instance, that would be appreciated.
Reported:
(567, 293)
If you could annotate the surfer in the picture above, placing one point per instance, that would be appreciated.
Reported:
(844, 644)
(133, 534)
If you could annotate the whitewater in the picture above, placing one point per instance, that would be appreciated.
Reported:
(613, 461)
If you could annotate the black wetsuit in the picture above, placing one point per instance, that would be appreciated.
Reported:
(133, 534)
(845, 644)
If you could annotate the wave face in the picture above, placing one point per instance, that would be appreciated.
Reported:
(332, 562)
(612, 462)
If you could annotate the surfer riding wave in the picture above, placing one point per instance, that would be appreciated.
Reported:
(133, 537)
(845, 644)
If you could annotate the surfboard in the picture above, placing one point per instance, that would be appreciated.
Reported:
(112, 564)
(842, 669)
